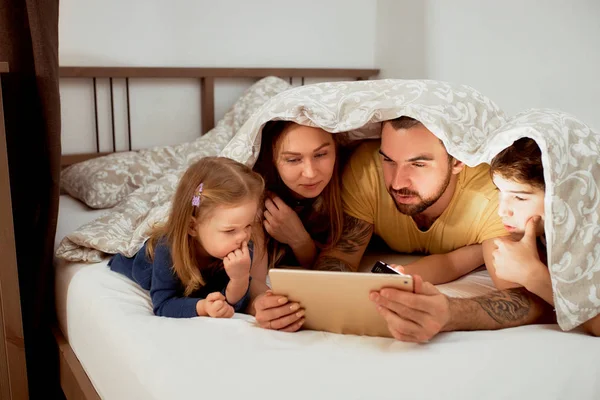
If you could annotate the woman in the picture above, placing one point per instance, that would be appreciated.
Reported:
(303, 210)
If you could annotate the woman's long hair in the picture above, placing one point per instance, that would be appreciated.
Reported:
(225, 182)
(327, 205)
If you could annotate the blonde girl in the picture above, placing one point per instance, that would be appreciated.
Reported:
(199, 262)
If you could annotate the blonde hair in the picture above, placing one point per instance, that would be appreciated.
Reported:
(328, 204)
(225, 183)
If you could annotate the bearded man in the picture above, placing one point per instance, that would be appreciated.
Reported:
(411, 193)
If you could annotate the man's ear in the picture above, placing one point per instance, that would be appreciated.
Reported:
(457, 166)
(192, 231)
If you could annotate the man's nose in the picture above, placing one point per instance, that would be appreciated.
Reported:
(401, 180)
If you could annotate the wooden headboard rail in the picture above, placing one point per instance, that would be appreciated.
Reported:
(207, 88)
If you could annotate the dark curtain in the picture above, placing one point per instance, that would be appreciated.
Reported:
(29, 43)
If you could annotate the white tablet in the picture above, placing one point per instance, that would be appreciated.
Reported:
(338, 301)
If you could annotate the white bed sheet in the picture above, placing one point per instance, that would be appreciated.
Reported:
(129, 353)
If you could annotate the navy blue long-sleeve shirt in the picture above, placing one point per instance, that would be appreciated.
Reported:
(166, 290)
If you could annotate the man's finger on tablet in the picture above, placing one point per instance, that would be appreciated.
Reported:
(411, 300)
(401, 310)
(397, 267)
(399, 324)
(402, 337)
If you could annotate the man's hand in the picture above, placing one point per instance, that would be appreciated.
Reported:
(413, 317)
(276, 312)
(216, 306)
(518, 261)
(237, 264)
(283, 224)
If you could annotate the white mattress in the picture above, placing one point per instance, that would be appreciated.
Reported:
(129, 353)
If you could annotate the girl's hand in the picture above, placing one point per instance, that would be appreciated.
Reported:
(216, 306)
(283, 224)
(277, 313)
(237, 263)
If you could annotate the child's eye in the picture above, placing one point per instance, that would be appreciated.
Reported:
(519, 198)
(229, 231)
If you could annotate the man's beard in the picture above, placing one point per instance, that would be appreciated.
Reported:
(424, 204)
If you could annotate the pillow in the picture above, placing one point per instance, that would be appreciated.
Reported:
(124, 228)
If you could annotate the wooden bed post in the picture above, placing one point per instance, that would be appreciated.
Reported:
(13, 370)
(207, 97)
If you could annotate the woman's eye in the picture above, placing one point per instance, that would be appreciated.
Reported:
(319, 155)
(292, 160)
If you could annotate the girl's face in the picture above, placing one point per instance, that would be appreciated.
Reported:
(518, 203)
(305, 159)
(226, 229)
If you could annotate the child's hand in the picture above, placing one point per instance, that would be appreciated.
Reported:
(518, 261)
(237, 263)
(216, 306)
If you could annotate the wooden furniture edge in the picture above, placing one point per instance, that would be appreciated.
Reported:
(74, 381)
(13, 368)
(177, 72)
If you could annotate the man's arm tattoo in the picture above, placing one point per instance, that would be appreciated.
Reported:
(326, 263)
(507, 306)
(355, 235)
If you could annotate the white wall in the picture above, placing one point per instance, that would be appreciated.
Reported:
(209, 33)
(520, 53)
(400, 39)
(198, 33)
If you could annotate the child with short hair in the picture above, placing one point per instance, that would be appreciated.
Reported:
(199, 262)
(520, 259)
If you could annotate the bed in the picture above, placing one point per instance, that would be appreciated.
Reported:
(113, 347)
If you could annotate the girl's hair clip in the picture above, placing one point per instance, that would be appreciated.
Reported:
(197, 194)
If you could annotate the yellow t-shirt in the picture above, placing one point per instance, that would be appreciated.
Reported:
(470, 218)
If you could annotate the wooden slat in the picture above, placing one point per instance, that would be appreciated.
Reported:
(69, 159)
(168, 72)
(75, 383)
(13, 370)
(3, 67)
(207, 97)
